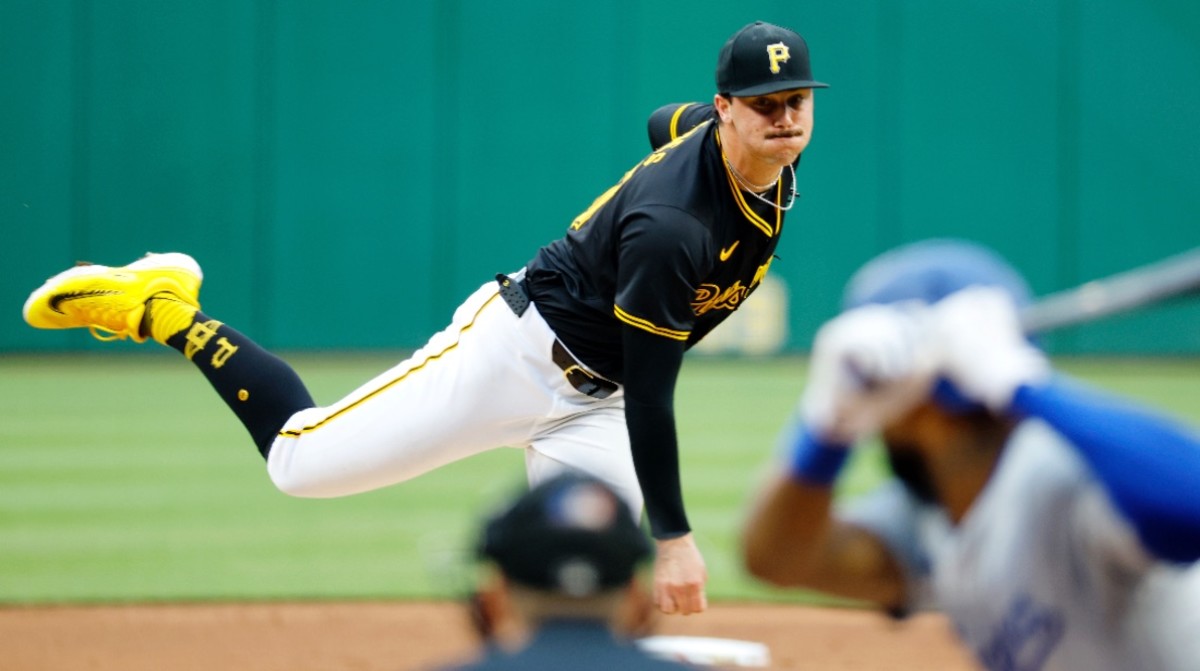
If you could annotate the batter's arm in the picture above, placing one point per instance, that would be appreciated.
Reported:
(1148, 462)
(791, 538)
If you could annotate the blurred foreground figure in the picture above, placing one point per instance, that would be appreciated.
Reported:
(1057, 526)
(564, 593)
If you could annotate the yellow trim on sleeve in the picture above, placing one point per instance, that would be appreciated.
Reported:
(675, 119)
(296, 433)
(649, 326)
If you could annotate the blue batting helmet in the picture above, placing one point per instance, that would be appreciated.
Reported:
(930, 270)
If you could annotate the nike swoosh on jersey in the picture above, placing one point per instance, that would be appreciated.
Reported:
(58, 299)
(728, 252)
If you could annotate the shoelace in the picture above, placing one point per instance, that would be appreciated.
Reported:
(95, 317)
(115, 335)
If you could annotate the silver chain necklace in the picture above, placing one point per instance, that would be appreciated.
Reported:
(753, 189)
(747, 183)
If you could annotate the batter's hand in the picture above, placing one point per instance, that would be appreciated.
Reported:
(868, 366)
(985, 352)
(679, 577)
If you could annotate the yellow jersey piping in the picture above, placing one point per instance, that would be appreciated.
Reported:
(675, 119)
(759, 223)
(295, 433)
(649, 326)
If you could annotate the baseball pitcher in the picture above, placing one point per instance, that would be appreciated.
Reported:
(573, 358)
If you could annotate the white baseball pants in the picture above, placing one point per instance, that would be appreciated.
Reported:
(486, 381)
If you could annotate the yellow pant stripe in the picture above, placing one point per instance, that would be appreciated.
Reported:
(295, 433)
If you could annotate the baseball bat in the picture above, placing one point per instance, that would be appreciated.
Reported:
(1173, 277)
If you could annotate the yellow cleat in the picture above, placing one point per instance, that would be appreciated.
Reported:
(111, 302)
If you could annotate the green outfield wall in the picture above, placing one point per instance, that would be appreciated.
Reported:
(346, 172)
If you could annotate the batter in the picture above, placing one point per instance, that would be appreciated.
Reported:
(1057, 526)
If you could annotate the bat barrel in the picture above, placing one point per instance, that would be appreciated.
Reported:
(1169, 278)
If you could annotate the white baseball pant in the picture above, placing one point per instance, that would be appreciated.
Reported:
(486, 381)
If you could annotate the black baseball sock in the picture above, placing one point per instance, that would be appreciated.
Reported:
(261, 389)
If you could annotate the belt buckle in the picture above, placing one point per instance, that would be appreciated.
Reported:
(585, 382)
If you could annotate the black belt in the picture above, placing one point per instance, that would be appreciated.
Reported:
(514, 295)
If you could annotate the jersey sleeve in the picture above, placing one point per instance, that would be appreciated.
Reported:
(662, 254)
(669, 122)
(651, 369)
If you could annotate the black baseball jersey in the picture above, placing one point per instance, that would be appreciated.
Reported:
(673, 248)
(652, 266)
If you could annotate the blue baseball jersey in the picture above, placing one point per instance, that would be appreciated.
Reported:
(1043, 572)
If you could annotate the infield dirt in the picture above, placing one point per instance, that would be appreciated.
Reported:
(401, 636)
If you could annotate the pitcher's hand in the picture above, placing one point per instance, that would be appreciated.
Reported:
(679, 577)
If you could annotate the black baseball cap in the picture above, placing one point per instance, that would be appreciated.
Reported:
(571, 534)
(764, 58)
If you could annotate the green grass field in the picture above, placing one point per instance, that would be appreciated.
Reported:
(124, 478)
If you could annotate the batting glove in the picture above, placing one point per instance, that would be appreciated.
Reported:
(983, 349)
(868, 366)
